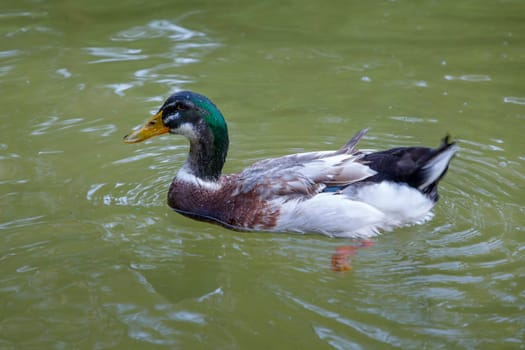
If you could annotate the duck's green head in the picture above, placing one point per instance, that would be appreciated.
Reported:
(196, 117)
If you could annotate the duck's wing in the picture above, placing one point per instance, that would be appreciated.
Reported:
(305, 174)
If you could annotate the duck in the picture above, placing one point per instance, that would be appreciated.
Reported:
(347, 192)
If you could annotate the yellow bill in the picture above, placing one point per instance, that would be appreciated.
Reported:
(153, 127)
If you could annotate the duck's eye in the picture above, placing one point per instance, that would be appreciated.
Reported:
(181, 107)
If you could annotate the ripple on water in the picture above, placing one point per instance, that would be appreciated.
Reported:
(336, 341)
(55, 124)
(15, 14)
(126, 194)
(115, 54)
(514, 100)
(188, 47)
(157, 29)
(413, 119)
(469, 77)
(5, 70)
(22, 222)
(485, 169)
(328, 321)
(151, 190)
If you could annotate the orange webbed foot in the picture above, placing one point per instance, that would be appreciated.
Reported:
(341, 257)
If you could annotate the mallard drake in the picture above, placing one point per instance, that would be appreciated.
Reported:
(343, 193)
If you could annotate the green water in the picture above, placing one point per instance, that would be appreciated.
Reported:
(92, 258)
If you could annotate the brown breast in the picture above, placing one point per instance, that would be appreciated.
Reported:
(227, 206)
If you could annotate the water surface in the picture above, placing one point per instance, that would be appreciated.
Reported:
(92, 258)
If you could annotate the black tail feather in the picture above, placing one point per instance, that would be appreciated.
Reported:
(419, 167)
